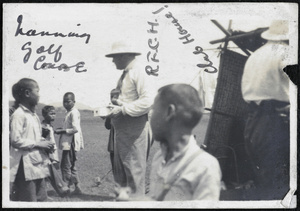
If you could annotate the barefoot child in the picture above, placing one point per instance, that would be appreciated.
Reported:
(70, 142)
(28, 159)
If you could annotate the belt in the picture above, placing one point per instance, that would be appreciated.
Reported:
(269, 105)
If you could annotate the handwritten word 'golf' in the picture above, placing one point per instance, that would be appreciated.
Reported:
(49, 51)
(154, 49)
(187, 40)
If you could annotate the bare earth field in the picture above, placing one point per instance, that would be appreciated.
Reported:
(93, 160)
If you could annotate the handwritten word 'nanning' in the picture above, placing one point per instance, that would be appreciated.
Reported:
(32, 32)
(154, 49)
(49, 51)
(181, 31)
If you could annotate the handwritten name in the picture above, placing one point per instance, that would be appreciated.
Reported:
(32, 32)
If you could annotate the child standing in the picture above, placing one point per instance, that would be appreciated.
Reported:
(61, 188)
(28, 159)
(70, 142)
(114, 95)
(48, 113)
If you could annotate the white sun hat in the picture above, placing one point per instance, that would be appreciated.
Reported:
(279, 30)
(122, 48)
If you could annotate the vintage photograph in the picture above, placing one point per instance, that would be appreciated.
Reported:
(151, 105)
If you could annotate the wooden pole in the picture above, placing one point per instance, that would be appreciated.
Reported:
(228, 34)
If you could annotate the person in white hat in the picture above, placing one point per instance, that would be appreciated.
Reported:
(130, 120)
(266, 88)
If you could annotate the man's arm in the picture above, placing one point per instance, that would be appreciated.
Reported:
(143, 103)
(75, 122)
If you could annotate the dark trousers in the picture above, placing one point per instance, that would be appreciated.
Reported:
(68, 168)
(267, 142)
(33, 190)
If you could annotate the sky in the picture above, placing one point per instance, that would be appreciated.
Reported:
(108, 23)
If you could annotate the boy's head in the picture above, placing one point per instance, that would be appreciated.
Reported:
(26, 91)
(114, 95)
(176, 105)
(69, 100)
(48, 113)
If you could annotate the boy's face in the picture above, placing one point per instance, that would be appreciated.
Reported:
(34, 95)
(50, 116)
(68, 102)
(157, 120)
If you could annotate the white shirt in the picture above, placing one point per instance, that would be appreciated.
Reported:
(200, 180)
(263, 77)
(25, 132)
(73, 129)
(136, 93)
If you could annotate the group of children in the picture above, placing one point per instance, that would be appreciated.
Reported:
(33, 151)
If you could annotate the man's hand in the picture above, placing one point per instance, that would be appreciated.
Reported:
(115, 110)
(48, 145)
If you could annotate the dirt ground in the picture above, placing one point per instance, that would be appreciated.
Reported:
(93, 160)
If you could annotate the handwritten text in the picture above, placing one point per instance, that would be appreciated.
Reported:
(47, 65)
(187, 40)
(32, 32)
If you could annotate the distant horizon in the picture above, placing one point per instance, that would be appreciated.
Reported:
(78, 105)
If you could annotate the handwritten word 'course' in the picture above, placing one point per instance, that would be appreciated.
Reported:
(32, 32)
(186, 40)
(49, 51)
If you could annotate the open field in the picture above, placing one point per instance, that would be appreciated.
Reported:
(93, 160)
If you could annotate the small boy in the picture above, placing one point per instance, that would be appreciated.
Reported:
(114, 95)
(28, 159)
(48, 113)
(180, 170)
(70, 142)
(61, 188)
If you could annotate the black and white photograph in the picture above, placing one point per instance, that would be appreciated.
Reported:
(149, 105)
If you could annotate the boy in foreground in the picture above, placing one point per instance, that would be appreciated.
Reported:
(180, 169)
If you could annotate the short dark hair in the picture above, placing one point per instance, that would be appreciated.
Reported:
(186, 99)
(46, 109)
(18, 89)
(70, 93)
(15, 94)
(114, 92)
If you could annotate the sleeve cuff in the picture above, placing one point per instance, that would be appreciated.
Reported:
(123, 110)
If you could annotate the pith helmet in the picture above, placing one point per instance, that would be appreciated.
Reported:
(278, 31)
(121, 48)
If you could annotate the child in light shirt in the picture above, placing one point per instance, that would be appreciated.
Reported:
(70, 142)
(28, 158)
